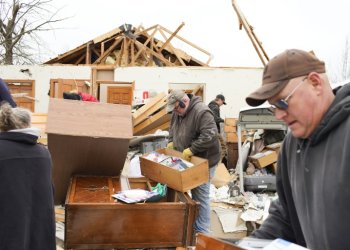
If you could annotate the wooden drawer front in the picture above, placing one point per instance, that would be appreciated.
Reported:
(96, 221)
(125, 225)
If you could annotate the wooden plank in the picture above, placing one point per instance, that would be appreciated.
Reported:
(164, 126)
(107, 35)
(186, 41)
(88, 53)
(80, 59)
(171, 37)
(153, 121)
(132, 53)
(150, 111)
(136, 116)
(175, 51)
(95, 51)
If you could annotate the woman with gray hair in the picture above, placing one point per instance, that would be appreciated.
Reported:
(26, 190)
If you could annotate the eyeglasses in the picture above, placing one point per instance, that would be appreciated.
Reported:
(283, 103)
(176, 107)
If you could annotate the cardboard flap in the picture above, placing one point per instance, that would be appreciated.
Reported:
(86, 138)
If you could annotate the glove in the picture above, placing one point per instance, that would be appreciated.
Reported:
(170, 145)
(187, 154)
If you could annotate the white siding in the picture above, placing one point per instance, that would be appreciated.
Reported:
(234, 83)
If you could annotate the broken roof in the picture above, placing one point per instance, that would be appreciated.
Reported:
(129, 46)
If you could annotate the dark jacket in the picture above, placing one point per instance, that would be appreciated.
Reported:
(27, 220)
(313, 184)
(196, 130)
(215, 108)
(5, 94)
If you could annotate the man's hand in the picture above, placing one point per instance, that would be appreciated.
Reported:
(187, 154)
(170, 145)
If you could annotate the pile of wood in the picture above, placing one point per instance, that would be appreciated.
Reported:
(152, 116)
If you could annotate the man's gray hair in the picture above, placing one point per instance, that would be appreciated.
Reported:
(13, 118)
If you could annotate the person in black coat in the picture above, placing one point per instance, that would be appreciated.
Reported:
(5, 95)
(215, 108)
(27, 218)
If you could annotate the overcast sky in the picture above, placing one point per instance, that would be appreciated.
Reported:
(318, 25)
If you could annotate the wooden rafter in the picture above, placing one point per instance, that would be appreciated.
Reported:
(146, 42)
(173, 50)
(171, 37)
(159, 56)
(80, 59)
(141, 48)
(96, 52)
(137, 48)
(188, 42)
(117, 41)
(250, 32)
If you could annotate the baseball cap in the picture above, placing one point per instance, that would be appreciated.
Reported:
(282, 68)
(173, 97)
(221, 97)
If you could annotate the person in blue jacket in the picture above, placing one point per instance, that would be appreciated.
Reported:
(5, 94)
(313, 172)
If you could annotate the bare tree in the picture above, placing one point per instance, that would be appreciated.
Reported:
(345, 72)
(20, 23)
(340, 71)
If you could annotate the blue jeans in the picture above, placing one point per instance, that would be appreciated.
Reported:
(201, 194)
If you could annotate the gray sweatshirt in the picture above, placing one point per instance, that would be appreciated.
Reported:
(196, 130)
(313, 184)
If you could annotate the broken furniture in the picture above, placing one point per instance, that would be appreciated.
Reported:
(88, 142)
(95, 220)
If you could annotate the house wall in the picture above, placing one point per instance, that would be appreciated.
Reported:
(42, 75)
(234, 83)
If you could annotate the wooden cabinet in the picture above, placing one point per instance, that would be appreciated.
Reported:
(95, 220)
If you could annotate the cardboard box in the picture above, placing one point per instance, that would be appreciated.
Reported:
(263, 159)
(86, 138)
(179, 180)
(230, 129)
(275, 147)
(222, 177)
(231, 137)
(231, 121)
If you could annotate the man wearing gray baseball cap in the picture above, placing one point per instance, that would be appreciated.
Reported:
(194, 133)
(313, 165)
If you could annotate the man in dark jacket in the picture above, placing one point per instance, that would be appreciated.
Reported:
(313, 165)
(5, 95)
(215, 108)
(27, 220)
(193, 131)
